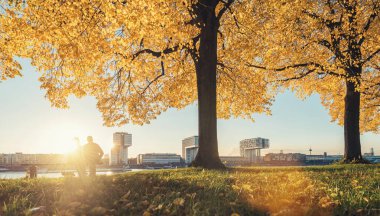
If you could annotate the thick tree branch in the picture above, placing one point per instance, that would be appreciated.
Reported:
(329, 23)
(163, 52)
(287, 67)
(284, 68)
(301, 65)
(300, 76)
(224, 9)
(190, 47)
(156, 53)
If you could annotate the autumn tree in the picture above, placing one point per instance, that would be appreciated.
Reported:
(11, 43)
(329, 47)
(139, 58)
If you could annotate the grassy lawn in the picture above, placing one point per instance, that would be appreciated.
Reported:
(340, 189)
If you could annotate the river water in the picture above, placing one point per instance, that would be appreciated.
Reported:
(22, 174)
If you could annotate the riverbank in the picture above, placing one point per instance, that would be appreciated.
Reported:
(345, 189)
(58, 174)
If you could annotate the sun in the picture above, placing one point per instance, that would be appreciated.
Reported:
(64, 137)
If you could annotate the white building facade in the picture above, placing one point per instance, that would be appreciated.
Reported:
(158, 158)
(19, 159)
(190, 147)
(119, 152)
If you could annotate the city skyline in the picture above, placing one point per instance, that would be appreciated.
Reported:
(30, 125)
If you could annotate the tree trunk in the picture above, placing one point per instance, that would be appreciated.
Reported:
(208, 155)
(352, 147)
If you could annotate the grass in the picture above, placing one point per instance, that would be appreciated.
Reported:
(327, 190)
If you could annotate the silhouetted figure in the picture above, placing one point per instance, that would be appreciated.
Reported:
(79, 160)
(92, 153)
(32, 171)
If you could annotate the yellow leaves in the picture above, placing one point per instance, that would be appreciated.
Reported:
(98, 211)
(355, 184)
(146, 213)
(125, 196)
(9, 68)
(326, 202)
(12, 44)
(89, 47)
(289, 36)
(247, 187)
(179, 201)
(144, 203)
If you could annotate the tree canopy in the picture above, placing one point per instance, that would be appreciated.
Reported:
(140, 58)
(313, 47)
(329, 47)
(137, 58)
(12, 44)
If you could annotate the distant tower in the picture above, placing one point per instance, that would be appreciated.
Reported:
(310, 150)
(119, 151)
(372, 152)
(281, 151)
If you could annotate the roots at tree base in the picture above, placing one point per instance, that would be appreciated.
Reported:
(207, 163)
(354, 160)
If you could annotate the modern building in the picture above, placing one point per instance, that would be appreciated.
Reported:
(158, 158)
(132, 161)
(105, 160)
(306, 159)
(234, 160)
(251, 148)
(20, 159)
(190, 147)
(119, 151)
(369, 154)
(322, 159)
(285, 159)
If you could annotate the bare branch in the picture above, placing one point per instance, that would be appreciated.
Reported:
(370, 20)
(326, 44)
(371, 56)
(155, 79)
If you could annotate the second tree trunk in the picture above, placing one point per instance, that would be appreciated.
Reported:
(352, 147)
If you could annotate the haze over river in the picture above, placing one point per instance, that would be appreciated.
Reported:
(56, 174)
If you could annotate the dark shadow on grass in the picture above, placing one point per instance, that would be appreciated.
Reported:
(159, 193)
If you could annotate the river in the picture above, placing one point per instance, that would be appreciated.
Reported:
(57, 174)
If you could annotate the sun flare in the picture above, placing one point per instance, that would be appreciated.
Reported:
(64, 137)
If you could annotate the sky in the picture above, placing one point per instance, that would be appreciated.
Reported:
(30, 125)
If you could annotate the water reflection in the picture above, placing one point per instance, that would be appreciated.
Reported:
(22, 174)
